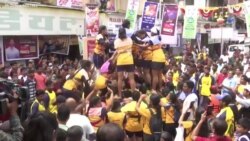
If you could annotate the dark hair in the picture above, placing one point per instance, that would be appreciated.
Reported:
(190, 84)
(165, 91)
(110, 131)
(49, 83)
(61, 135)
(63, 112)
(155, 101)
(173, 98)
(166, 136)
(244, 122)
(122, 33)
(93, 102)
(116, 105)
(136, 95)
(220, 127)
(40, 127)
(102, 28)
(227, 99)
(245, 78)
(143, 89)
(74, 133)
(126, 24)
(40, 92)
(126, 93)
(86, 64)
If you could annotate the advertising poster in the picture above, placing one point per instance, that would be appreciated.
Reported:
(70, 3)
(131, 13)
(1, 51)
(110, 6)
(169, 25)
(190, 22)
(149, 15)
(90, 47)
(169, 20)
(114, 23)
(92, 19)
(247, 16)
(54, 44)
(20, 47)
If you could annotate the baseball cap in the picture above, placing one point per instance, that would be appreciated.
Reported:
(105, 67)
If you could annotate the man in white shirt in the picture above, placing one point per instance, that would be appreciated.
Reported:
(11, 51)
(190, 104)
(244, 100)
(79, 120)
(229, 84)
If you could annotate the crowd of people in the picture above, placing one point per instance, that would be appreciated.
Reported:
(140, 92)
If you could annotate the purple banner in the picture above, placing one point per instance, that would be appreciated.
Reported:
(169, 20)
(149, 15)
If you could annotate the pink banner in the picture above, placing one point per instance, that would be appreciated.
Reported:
(92, 19)
(90, 47)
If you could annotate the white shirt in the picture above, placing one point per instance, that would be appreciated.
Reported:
(82, 121)
(228, 82)
(12, 53)
(22, 77)
(186, 105)
(243, 101)
(225, 58)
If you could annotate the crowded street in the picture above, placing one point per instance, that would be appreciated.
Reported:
(125, 70)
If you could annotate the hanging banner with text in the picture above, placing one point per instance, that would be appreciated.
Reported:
(1, 51)
(70, 3)
(149, 15)
(190, 22)
(169, 24)
(132, 11)
(92, 19)
(90, 47)
(20, 47)
(247, 16)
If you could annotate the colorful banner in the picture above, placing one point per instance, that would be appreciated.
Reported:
(169, 24)
(1, 51)
(92, 19)
(70, 3)
(54, 44)
(132, 11)
(81, 43)
(20, 47)
(90, 47)
(190, 22)
(247, 16)
(169, 20)
(149, 15)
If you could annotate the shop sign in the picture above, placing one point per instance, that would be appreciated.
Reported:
(40, 21)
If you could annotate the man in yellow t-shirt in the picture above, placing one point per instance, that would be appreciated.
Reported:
(70, 89)
(205, 83)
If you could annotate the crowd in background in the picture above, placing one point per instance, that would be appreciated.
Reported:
(139, 93)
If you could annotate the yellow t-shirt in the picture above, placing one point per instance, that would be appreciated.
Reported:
(145, 112)
(206, 82)
(100, 82)
(124, 49)
(70, 85)
(158, 54)
(147, 54)
(240, 88)
(176, 76)
(134, 120)
(169, 115)
(99, 49)
(52, 100)
(117, 118)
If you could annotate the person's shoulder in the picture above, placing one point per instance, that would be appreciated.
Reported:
(99, 36)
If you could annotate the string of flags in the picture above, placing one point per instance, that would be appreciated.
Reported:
(209, 12)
